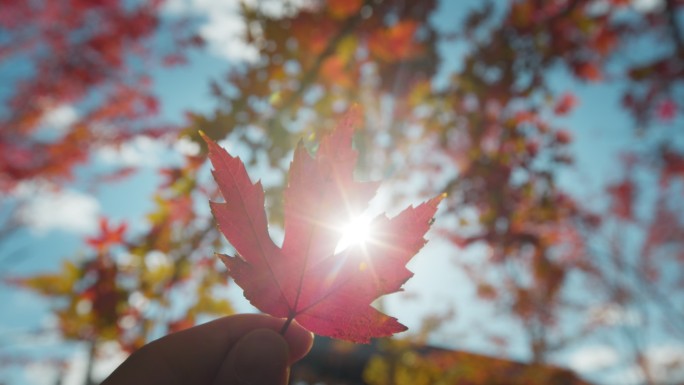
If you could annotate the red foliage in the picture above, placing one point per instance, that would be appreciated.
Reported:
(483, 118)
(673, 166)
(81, 53)
(623, 195)
(340, 9)
(563, 137)
(588, 71)
(306, 280)
(396, 42)
(565, 104)
(667, 110)
(109, 236)
(104, 293)
(181, 324)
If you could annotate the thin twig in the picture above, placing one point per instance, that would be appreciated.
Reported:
(671, 12)
(572, 4)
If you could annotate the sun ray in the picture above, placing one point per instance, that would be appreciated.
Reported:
(356, 232)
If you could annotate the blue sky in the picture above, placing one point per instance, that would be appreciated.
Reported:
(598, 126)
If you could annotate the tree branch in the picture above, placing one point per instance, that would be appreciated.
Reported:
(671, 12)
(571, 6)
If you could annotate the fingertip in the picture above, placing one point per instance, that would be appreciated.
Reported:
(299, 340)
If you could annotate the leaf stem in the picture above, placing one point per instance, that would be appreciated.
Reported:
(286, 325)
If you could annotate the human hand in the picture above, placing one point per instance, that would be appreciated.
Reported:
(244, 349)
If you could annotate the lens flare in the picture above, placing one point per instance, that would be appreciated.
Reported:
(354, 233)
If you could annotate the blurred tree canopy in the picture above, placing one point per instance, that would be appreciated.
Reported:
(486, 131)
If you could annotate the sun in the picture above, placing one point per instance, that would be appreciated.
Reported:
(354, 233)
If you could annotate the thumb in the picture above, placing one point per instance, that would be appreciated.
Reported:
(259, 358)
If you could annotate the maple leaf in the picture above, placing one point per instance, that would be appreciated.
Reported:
(396, 42)
(109, 235)
(328, 293)
(340, 9)
(588, 71)
(667, 110)
(565, 104)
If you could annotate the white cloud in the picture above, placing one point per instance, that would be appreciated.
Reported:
(631, 375)
(593, 358)
(223, 28)
(60, 117)
(225, 33)
(41, 373)
(76, 371)
(140, 151)
(666, 363)
(44, 210)
(143, 151)
(56, 122)
(185, 146)
(648, 5)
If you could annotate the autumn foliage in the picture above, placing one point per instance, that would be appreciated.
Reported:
(80, 80)
(308, 280)
(492, 107)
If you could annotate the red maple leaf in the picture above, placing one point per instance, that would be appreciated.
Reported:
(565, 104)
(109, 235)
(328, 293)
(667, 110)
